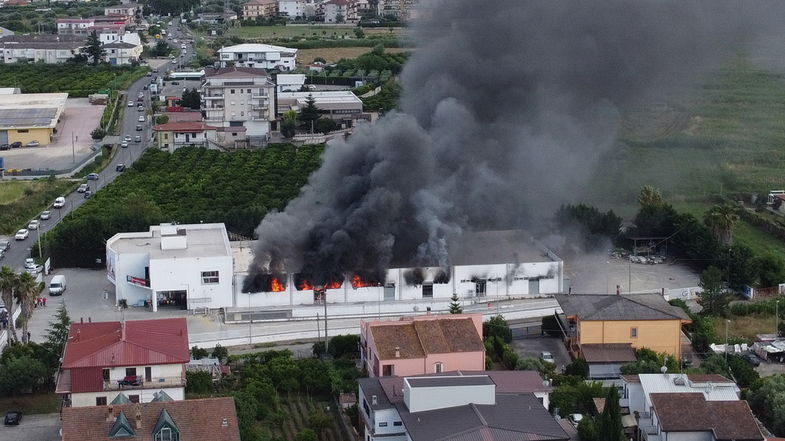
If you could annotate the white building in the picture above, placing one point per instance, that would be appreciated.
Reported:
(107, 37)
(49, 49)
(291, 8)
(124, 9)
(339, 11)
(240, 97)
(485, 265)
(174, 135)
(263, 56)
(289, 82)
(183, 266)
(120, 53)
(335, 104)
(462, 405)
(119, 362)
(74, 26)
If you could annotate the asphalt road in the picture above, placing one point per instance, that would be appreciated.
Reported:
(20, 250)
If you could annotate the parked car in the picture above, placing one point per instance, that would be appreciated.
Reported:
(59, 202)
(130, 103)
(82, 188)
(33, 225)
(138, 127)
(130, 380)
(46, 215)
(752, 359)
(575, 419)
(88, 194)
(120, 167)
(123, 144)
(22, 234)
(137, 138)
(13, 418)
(141, 95)
(547, 356)
(32, 267)
(16, 145)
(5, 146)
(92, 177)
(127, 138)
(5, 245)
(33, 144)
(141, 118)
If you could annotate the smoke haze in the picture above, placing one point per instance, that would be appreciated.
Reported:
(507, 107)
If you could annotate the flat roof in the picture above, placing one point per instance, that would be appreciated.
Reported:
(202, 240)
(256, 47)
(31, 110)
(468, 380)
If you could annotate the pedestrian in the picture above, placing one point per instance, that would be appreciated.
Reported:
(44, 300)
(28, 336)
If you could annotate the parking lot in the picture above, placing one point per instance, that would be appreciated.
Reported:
(532, 347)
(79, 119)
(44, 427)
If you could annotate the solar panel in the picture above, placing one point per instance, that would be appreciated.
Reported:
(27, 117)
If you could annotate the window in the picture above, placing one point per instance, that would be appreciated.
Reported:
(383, 424)
(209, 277)
(106, 374)
(387, 370)
(438, 367)
(634, 332)
(427, 290)
(130, 372)
(249, 90)
(133, 398)
(22, 131)
(100, 401)
(232, 92)
(167, 434)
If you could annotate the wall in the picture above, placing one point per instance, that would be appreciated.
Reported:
(657, 335)
(130, 264)
(41, 135)
(465, 361)
(688, 436)
(157, 371)
(402, 367)
(145, 395)
(389, 416)
(430, 398)
(184, 274)
(637, 400)
(544, 397)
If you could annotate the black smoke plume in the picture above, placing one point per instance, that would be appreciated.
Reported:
(507, 107)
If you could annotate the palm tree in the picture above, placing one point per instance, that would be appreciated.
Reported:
(7, 286)
(27, 291)
(721, 219)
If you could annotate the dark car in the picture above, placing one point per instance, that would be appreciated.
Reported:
(752, 359)
(138, 127)
(119, 167)
(88, 194)
(16, 145)
(130, 380)
(92, 177)
(4, 146)
(13, 418)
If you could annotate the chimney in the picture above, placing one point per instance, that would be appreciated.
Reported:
(138, 417)
(397, 352)
(374, 400)
(109, 414)
(224, 422)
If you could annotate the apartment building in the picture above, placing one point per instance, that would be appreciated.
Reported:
(124, 9)
(291, 8)
(340, 11)
(239, 97)
(260, 8)
(265, 56)
(119, 53)
(130, 361)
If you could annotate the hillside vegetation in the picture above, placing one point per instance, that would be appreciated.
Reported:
(191, 185)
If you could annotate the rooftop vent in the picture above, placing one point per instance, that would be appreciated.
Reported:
(374, 400)
(679, 381)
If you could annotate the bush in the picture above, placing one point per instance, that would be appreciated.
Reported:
(198, 353)
(345, 346)
(497, 326)
(221, 353)
(98, 133)
(198, 382)
(578, 367)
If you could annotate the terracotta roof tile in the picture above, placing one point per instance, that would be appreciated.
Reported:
(728, 420)
(608, 352)
(419, 337)
(195, 419)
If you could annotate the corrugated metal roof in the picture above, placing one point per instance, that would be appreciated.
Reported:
(86, 380)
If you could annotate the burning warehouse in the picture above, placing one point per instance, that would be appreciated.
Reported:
(489, 264)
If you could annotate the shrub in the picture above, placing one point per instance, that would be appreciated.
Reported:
(198, 382)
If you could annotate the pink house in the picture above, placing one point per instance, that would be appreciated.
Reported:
(422, 345)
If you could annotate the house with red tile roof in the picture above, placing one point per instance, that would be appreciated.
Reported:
(692, 416)
(118, 362)
(173, 135)
(422, 345)
(213, 419)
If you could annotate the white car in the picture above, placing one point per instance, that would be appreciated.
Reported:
(45, 215)
(141, 119)
(82, 188)
(547, 356)
(575, 419)
(59, 202)
(130, 103)
(32, 267)
(33, 225)
(22, 234)
(127, 138)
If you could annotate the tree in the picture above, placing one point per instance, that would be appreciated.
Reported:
(289, 124)
(318, 421)
(587, 430)
(198, 353)
(221, 353)
(162, 119)
(310, 113)
(324, 125)
(609, 426)
(455, 305)
(98, 133)
(767, 400)
(649, 362)
(345, 346)
(191, 99)
(7, 287)
(721, 219)
(57, 334)
(21, 374)
(26, 292)
(359, 33)
(578, 367)
(93, 49)
(318, 349)
(545, 369)
(770, 269)
(200, 382)
(497, 326)
(161, 49)
(306, 435)
(713, 299)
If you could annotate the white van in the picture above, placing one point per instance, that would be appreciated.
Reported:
(59, 202)
(57, 285)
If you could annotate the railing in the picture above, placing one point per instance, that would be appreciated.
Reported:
(212, 97)
(154, 383)
(259, 97)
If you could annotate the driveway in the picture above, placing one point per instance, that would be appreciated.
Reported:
(43, 427)
(532, 347)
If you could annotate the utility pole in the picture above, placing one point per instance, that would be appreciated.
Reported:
(73, 150)
(38, 232)
(324, 299)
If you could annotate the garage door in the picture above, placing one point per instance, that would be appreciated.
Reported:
(3, 136)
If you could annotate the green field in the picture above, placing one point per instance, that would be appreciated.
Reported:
(13, 190)
(20, 201)
(76, 80)
(31, 404)
(332, 32)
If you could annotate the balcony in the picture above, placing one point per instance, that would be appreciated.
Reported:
(212, 97)
(154, 383)
(259, 97)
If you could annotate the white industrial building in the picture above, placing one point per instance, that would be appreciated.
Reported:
(263, 56)
(183, 266)
(485, 265)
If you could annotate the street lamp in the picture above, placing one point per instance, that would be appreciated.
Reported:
(726, 340)
(777, 317)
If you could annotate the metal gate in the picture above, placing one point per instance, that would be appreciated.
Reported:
(3, 136)
(534, 286)
(389, 292)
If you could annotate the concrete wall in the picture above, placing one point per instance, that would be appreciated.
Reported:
(636, 397)
(657, 335)
(130, 264)
(145, 395)
(419, 399)
(186, 275)
(26, 135)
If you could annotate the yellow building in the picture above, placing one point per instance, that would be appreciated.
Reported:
(605, 329)
(28, 117)
(260, 8)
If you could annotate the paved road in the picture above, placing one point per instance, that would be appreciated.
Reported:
(44, 427)
(20, 250)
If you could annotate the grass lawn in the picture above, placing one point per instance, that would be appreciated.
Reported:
(333, 54)
(332, 32)
(22, 200)
(746, 326)
(31, 404)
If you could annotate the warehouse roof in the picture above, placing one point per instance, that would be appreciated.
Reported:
(31, 110)
(43, 41)
(619, 307)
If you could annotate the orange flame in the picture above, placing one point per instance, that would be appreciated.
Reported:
(357, 282)
(333, 284)
(276, 285)
(304, 285)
